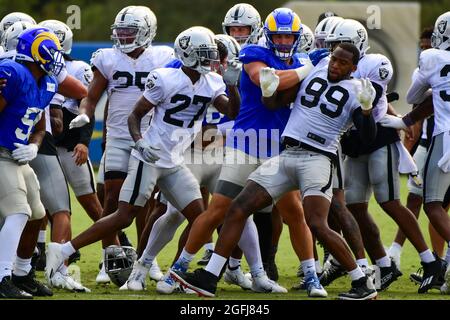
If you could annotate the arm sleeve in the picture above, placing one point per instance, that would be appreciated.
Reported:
(366, 126)
(86, 132)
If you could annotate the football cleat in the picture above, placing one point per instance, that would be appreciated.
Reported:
(204, 283)
(9, 291)
(136, 281)
(388, 275)
(314, 288)
(62, 281)
(238, 278)
(332, 270)
(359, 291)
(168, 284)
(262, 284)
(29, 284)
(433, 274)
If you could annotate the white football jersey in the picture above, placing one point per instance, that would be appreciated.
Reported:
(126, 82)
(80, 70)
(322, 110)
(378, 69)
(434, 73)
(180, 109)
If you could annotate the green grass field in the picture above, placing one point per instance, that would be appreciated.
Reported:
(402, 289)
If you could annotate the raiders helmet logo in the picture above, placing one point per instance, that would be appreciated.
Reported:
(184, 42)
(384, 73)
(361, 35)
(442, 26)
(61, 36)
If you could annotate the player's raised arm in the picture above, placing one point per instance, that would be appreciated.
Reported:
(272, 98)
(363, 118)
(230, 105)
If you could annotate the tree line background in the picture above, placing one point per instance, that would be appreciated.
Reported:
(173, 15)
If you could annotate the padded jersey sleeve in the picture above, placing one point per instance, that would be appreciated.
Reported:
(420, 84)
(154, 88)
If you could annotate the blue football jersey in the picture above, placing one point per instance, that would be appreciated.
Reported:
(26, 100)
(257, 130)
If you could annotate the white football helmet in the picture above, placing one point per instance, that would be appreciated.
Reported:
(351, 31)
(441, 33)
(134, 27)
(232, 45)
(243, 14)
(323, 29)
(62, 31)
(196, 49)
(9, 19)
(306, 40)
(11, 35)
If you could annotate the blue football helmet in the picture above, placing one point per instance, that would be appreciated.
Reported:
(41, 46)
(283, 21)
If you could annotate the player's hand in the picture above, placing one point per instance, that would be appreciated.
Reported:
(25, 152)
(393, 122)
(318, 55)
(79, 121)
(148, 152)
(365, 93)
(232, 73)
(268, 81)
(80, 153)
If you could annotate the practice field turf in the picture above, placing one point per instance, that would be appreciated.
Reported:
(402, 289)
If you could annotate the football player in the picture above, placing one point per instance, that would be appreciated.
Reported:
(31, 84)
(122, 71)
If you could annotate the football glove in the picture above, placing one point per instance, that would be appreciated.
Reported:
(268, 81)
(147, 152)
(232, 73)
(79, 121)
(392, 122)
(25, 152)
(365, 94)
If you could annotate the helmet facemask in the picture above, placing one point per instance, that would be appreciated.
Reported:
(283, 51)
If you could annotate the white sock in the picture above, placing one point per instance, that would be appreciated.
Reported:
(233, 263)
(22, 267)
(162, 232)
(396, 247)
(318, 266)
(356, 274)
(68, 249)
(383, 262)
(209, 246)
(427, 256)
(10, 235)
(309, 267)
(362, 262)
(447, 256)
(249, 244)
(216, 264)
(42, 236)
(185, 259)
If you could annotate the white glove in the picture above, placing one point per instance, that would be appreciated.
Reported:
(365, 94)
(232, 73)
(268, 81)
(25, 152)
(392, 122)
(148, 152)
(304, 70)
(79, 121)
